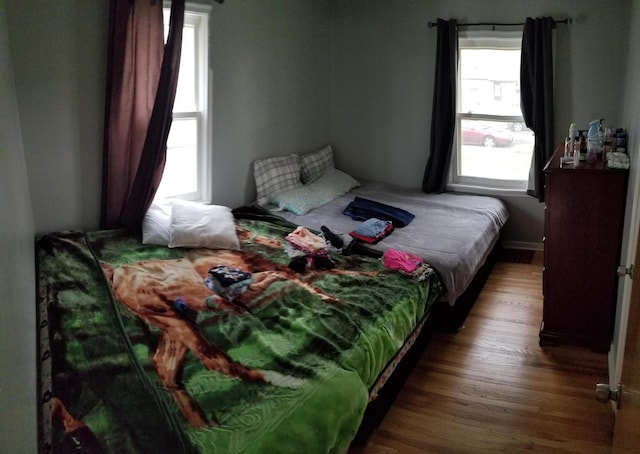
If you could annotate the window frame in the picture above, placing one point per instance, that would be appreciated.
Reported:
(484, 39)
(198, 16)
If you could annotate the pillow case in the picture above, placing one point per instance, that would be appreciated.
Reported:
(331, 184)
(197, 225)
(316, 163)
(273, 175)
(156, 225)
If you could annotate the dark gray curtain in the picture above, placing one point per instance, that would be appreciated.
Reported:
(142, 76)
(443, 116)
(536, 93)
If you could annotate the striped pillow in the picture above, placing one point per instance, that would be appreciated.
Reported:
(274, 175)
(315, 163)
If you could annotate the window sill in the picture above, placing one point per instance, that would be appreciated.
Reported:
(484, 190)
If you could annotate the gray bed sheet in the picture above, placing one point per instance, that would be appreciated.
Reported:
(454, 233)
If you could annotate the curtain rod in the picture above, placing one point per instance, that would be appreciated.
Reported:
(567, 21)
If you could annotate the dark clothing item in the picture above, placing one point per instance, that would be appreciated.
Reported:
(362, 209)
(311, 262)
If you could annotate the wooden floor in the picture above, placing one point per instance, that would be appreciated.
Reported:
(491, 388)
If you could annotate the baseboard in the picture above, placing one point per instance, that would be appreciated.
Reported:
(523, 245)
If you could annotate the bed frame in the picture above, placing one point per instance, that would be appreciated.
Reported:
(375, 409)
(442, 317)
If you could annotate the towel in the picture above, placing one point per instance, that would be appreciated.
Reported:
(618, 160)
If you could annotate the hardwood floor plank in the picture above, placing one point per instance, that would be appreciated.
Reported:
(490, 387)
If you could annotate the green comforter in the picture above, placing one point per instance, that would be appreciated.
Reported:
(285, 368)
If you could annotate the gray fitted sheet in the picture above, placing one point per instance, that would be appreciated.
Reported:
(453, 232)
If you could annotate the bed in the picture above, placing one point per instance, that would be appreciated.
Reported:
(455, 233)
(138, 354)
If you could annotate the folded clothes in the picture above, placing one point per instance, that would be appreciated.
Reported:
(618, 160)
(372, 227)
(307, 250)
(372, 230)
(408, 264)
(361, 209)
(228, 282)
(401, 260)
(304, 240)
(227, 276)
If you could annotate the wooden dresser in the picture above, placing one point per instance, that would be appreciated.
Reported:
(584, 217)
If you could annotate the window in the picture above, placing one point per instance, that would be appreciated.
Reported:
(187, 172)
(493, 146)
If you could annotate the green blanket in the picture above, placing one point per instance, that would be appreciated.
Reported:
(144, 357)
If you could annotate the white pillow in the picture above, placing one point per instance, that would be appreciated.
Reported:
(197, 225)
(157, 224)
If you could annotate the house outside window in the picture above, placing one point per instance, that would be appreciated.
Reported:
(187, 173)
(493, 147)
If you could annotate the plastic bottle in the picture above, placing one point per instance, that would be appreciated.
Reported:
(572, 147)
(601, 138)
(608, 144)
(621, 140)
(593, 141)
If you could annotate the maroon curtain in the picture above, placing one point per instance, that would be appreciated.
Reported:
(142, 76)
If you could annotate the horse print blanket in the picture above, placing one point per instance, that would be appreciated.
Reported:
(139, 354)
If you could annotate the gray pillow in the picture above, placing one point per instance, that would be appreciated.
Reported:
(316, 163)
(277, 174)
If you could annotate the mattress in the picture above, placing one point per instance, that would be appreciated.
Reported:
(289, 367)
(453, 232)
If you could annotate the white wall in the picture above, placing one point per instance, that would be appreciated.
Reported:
(59, 56)
(382, 81)
(270, 91)
(17, 280)
(271, 87)
(289, 75)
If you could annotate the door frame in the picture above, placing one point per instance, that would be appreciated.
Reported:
(630, 238)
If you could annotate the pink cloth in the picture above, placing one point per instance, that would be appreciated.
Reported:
(400, 260)
(302, 239)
